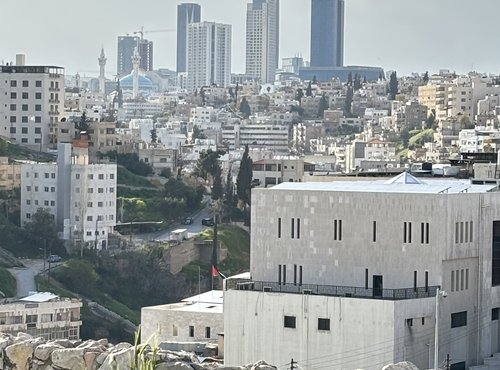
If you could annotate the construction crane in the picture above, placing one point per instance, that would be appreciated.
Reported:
(142, 32)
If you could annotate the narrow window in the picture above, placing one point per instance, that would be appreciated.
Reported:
(298, 228)
(415, 281)
(294, 274)
(293, 227)
(461, 232)
(470, 231)
(289, 322)
(334, 229)
(462, 279)
(422, 232)
(457, 281)
(495, 313)
(300, 275)
(458, 319)
(423, 320)
(466, 238)
(175, 331)
(324, 324)
(366, 278)
(409, 232)
(207, 332)
(279, 227)
(405, 237)
(426, 281)
(374, 231)
(409, 322)
(191, 331)
(279, 274)
(466, 279)
(340, 229)
(284, 274)
(426, 233)
(452, 281)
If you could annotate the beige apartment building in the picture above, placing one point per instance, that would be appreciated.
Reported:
(10, 174)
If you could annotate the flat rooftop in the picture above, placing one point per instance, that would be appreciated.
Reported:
(208, 302)
(403, 183)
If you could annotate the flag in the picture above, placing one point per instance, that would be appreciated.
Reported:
(216, 272)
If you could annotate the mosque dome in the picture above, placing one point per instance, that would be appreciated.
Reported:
(127, 82)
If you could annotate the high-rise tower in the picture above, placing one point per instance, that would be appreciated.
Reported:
(102, 78)
(126, 47)
(327, 33)
(186, 14)
(262, 43)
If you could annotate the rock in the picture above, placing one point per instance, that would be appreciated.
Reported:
(121, 360)
(20, 354)
(103, 342)
(69, 358)
(262, 365)
(90, 359)
(101, 358)
(210, 350)
(405, 365)
(174, 366)
(121, 346)
(66, 343)
(44, 351)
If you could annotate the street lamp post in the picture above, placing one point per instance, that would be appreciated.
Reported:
(439, 294)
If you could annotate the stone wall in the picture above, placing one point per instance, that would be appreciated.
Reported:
(24, 352)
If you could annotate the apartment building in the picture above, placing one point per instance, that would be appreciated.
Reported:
(346, 274)
(79, 194)
(42, 315)
(273, 171)
(31, 104)
(263, 135)
(10, 174)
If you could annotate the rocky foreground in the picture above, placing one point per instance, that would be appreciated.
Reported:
(24, 352)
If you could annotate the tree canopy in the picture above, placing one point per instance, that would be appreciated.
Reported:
(244, 179)
(393, 86)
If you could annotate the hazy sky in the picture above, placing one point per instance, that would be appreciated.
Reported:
(405, 35)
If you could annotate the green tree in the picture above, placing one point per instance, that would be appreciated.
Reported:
(431, 120)
(381, 76)
(323, 105)
(4, 147)
(364, 80)
(315, 80)
(83, 125)
(197, 134)
(393, 86)
(357, 82)
(299, 94)
(80, 276)
(42, 228)
(244, 179)
(208, 163)
(349, 79)
(348, 102)
(466, 123)
(245, 108)
(154, 136)
(426, 77)
(229, 196)
(217, 189)
(309, 89)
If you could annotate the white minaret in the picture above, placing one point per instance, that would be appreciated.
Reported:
(77, 80)
(136, 61)
(102, 64)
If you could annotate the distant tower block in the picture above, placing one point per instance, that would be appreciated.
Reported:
(136, 61)
(102, 79)
(77, 80)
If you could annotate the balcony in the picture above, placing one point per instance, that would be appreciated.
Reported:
(56, 101)
(53, 113)
(332, 290)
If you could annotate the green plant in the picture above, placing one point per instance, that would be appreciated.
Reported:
(142, 359)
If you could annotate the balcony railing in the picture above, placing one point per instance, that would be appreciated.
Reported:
(332, 290)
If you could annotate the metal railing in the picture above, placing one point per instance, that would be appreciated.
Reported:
(332, 290)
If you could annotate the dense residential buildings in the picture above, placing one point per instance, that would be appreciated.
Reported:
(310, 291)
(187, 13)
(31, 104)
(42, 315)
(80, 195)
(208, 55)
(10, 174)
(327, 33)
(262, 39)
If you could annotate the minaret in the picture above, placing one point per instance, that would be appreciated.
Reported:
(102, 79)
(136, 61)
(77, 80)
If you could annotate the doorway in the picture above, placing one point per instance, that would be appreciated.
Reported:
(378, 286)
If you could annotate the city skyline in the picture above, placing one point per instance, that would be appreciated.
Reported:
(383, 38)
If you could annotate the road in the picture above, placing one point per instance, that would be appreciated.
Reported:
(25, 276)
(195, 228)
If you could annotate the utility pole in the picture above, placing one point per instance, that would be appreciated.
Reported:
(293, 364)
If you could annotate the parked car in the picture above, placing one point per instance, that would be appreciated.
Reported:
(207, 221)
(187, 221)
(54, 258)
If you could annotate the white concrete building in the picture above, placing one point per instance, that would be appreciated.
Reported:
(202, 117)
(208, 55)
(344, 275)
(31, 103)
(273, 171)
(42, 315)
(194, 319)
(262, 40)
(263, 135)
(80, 195)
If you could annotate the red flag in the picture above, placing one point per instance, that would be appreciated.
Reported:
(215, 272)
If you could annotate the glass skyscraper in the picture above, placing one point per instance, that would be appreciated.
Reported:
(327, 33)
(187, 13)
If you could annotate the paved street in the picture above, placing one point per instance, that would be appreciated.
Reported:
(25, 276)
(195, 228)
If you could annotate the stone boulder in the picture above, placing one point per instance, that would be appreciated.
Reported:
(44, 351)
(20, 354)
(69, 358)
(174, 366)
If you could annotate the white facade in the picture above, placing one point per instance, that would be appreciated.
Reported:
(344, 274)
(81, 196)
(31, 103)
(268, 136)
(262, 40)
(208, 55)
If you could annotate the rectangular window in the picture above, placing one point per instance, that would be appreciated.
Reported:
(289, 322)
(324, 324)
(462, 279)
(459, 319)
(457, 280)
(466, 239)
(470, 231)
(89, 204)
(89, 218)
(374, 233)
(207, 332)
(90, 190)
(38, 95)
(112, 176)
(13, 95)
(284, 274)
(13, 83)
(426, 281)
(298, 228)
(101, 176)
(406, 232)
(466, 279)
(456, 232)
(191, 331)
(452, 281)
(38, 107)
(100, 190)
(340, 230)
(38, 83)
(334, 229)
(415, 281)
(279, 227)
(293, 228)
(426, 233)
(422, 232)
(294, 274)
(337, 229)
(25, 95)
(24, 130)
(461, 232)
(409, 232)
(25, 83)
(495, 313)
(24, 107)
(13, 119)
(279, 274)
(175, 331)
(366, 278)
(300, 275)
(405, 236)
